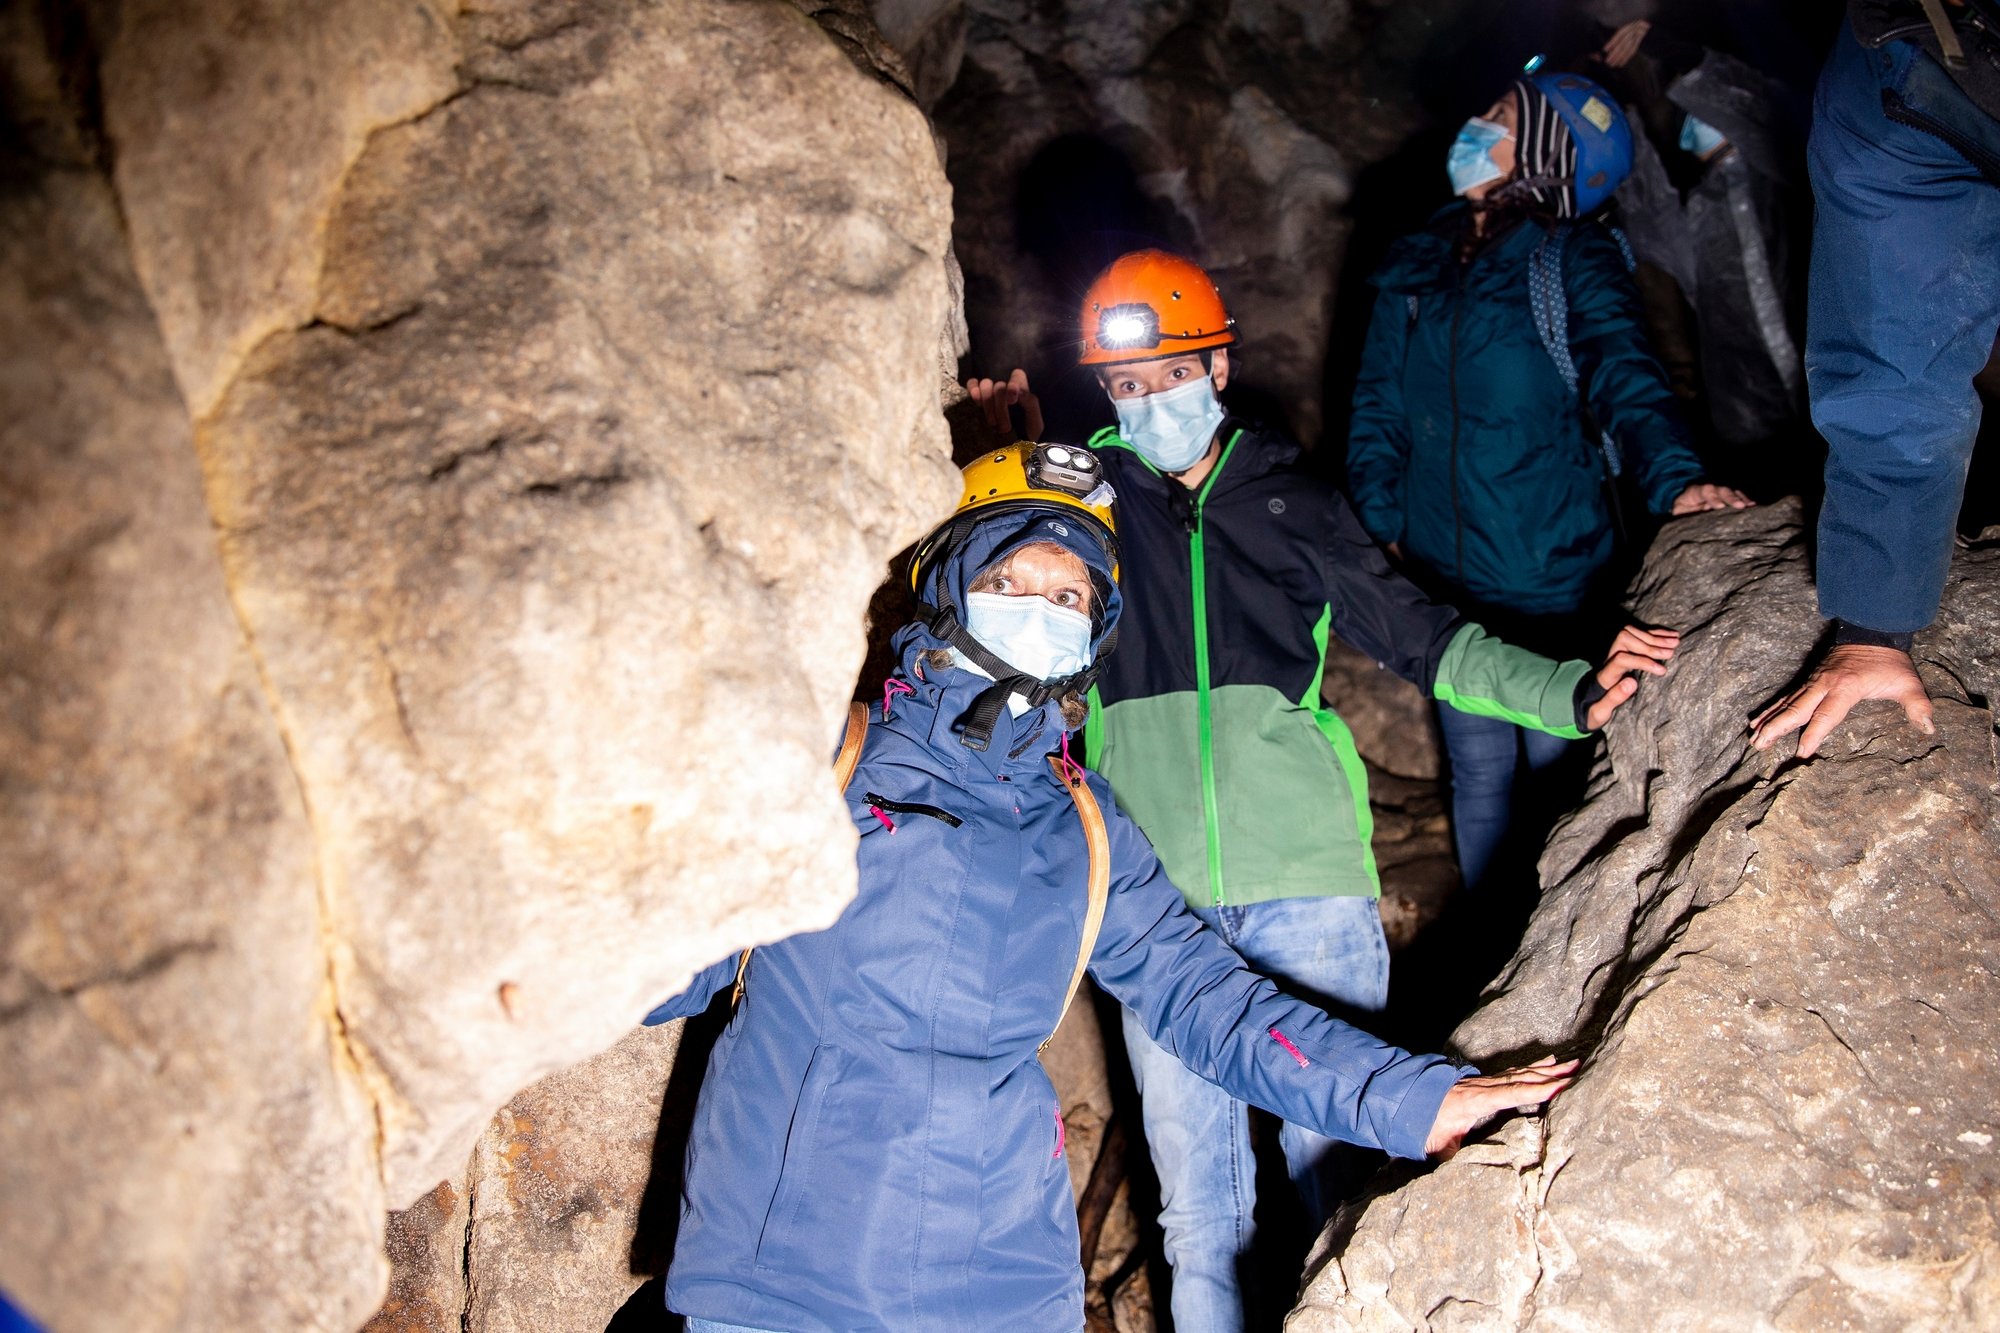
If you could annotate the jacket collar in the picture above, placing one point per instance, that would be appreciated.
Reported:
(940, 696)
(1249, 452)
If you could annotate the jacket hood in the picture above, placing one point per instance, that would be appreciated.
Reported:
(952, 691)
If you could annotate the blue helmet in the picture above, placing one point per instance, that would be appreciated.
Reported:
(1597, 127)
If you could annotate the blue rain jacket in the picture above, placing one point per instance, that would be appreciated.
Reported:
(1465, 446)
(876, 1145)
(1902, 309)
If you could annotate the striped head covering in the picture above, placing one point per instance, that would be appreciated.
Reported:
(1545, 171)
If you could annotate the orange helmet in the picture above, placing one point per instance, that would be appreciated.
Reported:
(1148, 305)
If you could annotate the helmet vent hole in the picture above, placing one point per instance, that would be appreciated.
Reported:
(1177, 296)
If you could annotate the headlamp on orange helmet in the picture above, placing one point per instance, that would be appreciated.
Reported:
(1150, 304)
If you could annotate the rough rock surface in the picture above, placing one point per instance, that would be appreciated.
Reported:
(539, 1233)
(181, 1144)
(553, 380)
(551, 510)
(1781, 977)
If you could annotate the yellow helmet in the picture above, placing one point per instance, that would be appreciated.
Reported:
(1054, 492)
(1025, 477)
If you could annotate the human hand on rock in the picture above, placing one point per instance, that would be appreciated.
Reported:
(1635, 649)
(996, 399)
(1704, 496)
(1850, 674)
(1624, 44)
(1474, 1101)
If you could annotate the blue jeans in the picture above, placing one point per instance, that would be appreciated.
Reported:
(1322, 949)
(1488, 759)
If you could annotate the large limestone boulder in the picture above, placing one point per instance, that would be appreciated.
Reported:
(446, 465)
(1780, 976)
(183, 1143)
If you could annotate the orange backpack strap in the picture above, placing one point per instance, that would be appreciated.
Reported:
(1099, 843)
(844, 765)
(849, 757)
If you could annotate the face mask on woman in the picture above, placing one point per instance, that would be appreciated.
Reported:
(1171, 430)
(1470, 162)
(1030, 633)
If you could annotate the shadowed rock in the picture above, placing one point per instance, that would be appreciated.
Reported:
(1780, 975)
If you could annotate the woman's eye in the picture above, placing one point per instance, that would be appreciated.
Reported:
(1069, 597)
(1178, 372)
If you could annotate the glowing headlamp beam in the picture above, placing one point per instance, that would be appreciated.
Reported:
(1121, 330)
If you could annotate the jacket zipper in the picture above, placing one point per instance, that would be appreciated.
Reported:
(910, 808)
(1457, 519)
(1198, 577)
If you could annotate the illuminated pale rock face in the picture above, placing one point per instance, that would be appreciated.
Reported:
(1781, 979)
(438, 527)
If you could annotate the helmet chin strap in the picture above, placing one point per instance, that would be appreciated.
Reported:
(975, 726)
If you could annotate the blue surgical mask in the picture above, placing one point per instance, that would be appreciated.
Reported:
(1031, 634)
(1700, 138)
(1173, 429)
(1470, 162)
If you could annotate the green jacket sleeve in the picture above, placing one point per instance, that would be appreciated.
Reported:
(1629, 394)
(1479, 674)
(1378, 435)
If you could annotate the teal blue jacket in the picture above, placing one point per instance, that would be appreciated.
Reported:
(1466, 448)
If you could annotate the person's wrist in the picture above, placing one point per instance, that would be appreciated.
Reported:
(1847, 633)
(1588, 691)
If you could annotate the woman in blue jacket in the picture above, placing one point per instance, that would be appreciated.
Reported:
(876, 1145)
(1469, 455)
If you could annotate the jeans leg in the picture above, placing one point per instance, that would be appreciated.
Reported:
(1328, 951)
(1200, 1141)
(1540, 749)
(1483, 752)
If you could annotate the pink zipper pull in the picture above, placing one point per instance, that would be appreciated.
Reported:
(887, 822)
(1062, 1135)
(890, 689)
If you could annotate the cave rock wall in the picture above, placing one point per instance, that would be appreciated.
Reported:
(447, 457)
(1781, 978)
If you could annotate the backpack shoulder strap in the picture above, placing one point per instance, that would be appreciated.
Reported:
(1548, 299)
(844, 765)
(1099, 843)
(849, 757)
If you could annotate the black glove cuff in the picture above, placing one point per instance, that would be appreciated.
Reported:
(1588, 692)
(1844, 633)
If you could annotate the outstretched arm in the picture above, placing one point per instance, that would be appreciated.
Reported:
(1239, 1031)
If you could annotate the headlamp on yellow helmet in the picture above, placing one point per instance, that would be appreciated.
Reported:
(1064, 477)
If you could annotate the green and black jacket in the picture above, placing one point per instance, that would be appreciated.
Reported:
(1207, 720)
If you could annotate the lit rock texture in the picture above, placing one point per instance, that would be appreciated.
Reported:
(447, 458)
(1781, 978)
(538, 1234)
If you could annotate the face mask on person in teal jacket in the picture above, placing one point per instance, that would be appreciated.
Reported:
(1470, 162)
